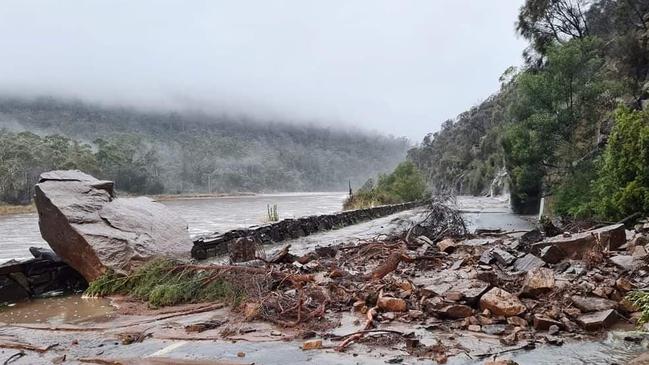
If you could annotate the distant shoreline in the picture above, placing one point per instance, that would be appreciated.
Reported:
(16, 209)
(193, 196)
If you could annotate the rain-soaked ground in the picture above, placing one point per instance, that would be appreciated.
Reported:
(92, 329)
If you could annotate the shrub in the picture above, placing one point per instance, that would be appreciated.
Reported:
(404, 184)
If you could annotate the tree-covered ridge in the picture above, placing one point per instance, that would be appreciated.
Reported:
(152, 152)
(549, 124)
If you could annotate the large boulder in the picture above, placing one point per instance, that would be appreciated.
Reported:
(575, 246)
(93, 231)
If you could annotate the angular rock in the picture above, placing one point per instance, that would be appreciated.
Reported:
(538, 281)
(503, 257)
(93, 231)
(456, 311)
(592, 304)
(390, 304)
(312, 345)
(597, 320)
(501, 303)
(446, 245)
(576, 245)
(528, 262)
(543, 323)
(624, 262)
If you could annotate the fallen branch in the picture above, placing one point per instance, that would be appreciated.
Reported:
(25, 346)
(389, 265)
(14, 357)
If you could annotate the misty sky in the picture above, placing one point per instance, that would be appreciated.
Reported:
(400, 67)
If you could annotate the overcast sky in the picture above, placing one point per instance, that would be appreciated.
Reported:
(400, 67)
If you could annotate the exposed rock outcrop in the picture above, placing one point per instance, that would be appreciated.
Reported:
(93, 231)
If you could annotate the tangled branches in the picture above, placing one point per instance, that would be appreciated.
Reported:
(441, 221)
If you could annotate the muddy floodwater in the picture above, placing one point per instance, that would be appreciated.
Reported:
(206, 215)
(68, 309)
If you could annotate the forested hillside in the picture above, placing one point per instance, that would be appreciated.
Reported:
(154, 152)
(570, 123)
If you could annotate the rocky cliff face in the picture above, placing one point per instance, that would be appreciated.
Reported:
(93, 231)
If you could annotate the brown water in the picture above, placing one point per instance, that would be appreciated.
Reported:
(67, 309)
(206, 215)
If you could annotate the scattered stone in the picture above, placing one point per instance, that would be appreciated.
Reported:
(503, 257)
(312, 345)
(93, 231)
(454, 296)
(241, 354)
(592, 304)
(538, 281)
(624, 284)
(494, 329)
(552, 254)
(501, 302)
(447, 245)
(553, 330)
(456, 311)
(390, 304)
(486, 257)
(624, 262)
(517, 321)
(597, 320)
(639, 252)
(528, 262)
(543, 323)
(474, 328)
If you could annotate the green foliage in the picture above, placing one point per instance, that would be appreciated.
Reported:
(149, 152)
(161, 283)
(404, 184)
(23, 156)
(622, 187)
(544, 124)
(640, 299)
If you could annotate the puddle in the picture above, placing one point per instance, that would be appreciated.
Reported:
(71, 309)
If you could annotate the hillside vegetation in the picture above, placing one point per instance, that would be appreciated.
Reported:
(154, 153)
(569, 124)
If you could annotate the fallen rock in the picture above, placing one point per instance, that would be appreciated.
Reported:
(456, 311)
(503, 257)
(93, 231)
(574, 246)
(538, 281)
(501, 303)
(592, 304)
(312, 345)
(528, 262)
(624, 262)
(446, 245)
(543, 323)
(597, 320)
(392, 304)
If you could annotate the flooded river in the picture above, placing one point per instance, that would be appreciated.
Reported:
(19, 232)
